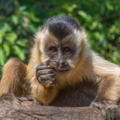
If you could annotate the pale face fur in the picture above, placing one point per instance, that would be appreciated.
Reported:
(78, 38)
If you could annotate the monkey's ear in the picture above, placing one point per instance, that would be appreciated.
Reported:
(81, 37)
(84, 35)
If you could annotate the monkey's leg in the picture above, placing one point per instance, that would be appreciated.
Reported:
(13, 78)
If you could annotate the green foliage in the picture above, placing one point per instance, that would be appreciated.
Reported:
(14, 29)
(100, 18)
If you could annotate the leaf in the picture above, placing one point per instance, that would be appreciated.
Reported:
(11, 37)
(22, 42)
(6, 48)
(22, 56)
(1, 40)
(112, 29)
(93, 25)
(32, 28)
(19, 52)
(6, 28)
(83, 14)
(109, 6)
(35, 19)
(25, 13)
(22, 8)
(15, 19)
(2, 56)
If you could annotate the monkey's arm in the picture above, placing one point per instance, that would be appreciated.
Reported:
(108, 79)
(38, 84)
(13, 79)
(41, 93)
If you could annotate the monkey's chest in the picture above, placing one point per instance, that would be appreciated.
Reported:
(80, 95)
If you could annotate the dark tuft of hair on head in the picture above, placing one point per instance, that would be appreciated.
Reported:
(61, 26)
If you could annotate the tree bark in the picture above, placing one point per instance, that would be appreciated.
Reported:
(28, 111)
(31, 112)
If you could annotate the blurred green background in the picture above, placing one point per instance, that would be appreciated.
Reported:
(19, 20)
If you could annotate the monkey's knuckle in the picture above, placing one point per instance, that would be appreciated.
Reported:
(50, 71)
(40, 79)
(38, 72)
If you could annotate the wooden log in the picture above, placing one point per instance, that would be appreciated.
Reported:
(31, 112)
(12, 108)
(27, 111)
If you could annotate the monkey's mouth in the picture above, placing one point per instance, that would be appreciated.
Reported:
(61, 71)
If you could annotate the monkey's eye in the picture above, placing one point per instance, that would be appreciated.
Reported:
(67, 50)
(53, 49)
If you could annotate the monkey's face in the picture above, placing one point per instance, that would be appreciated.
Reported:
(59, 54)
(60, 46)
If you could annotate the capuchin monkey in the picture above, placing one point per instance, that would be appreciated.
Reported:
(64, 71)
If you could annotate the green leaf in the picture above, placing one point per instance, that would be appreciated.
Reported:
(22, 56)
(19, 51)
(1, 40)
(11, 37)
(85, 16)
(112, 29)
(93, 25)
(15, 19)
(6, 48)
(22, 42)
(2, 57)
(32, 28)
(25, 13)
(6, 28)
(82, 14)
(109, 6)
(35, 19)
(22, 8)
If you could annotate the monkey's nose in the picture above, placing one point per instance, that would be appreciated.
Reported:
(62, 64)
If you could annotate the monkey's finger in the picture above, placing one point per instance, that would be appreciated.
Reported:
(44, 78)
(113, 114)
(103, 112)
(44, 72)
(117, 115)
(23, 99)
(48, 82)
(43, 67)
(108, 114)
(94, 104)
(42, 64)
(51, 80)
(48, 76)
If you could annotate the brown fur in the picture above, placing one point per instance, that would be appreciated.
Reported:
(13, 79)
(86, 66)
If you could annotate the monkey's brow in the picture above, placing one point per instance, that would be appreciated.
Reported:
(50, 37)
(70, 37)
(68, 41)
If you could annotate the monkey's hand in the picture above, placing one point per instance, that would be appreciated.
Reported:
(108, 108)
(45, 74)
(9, 99)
